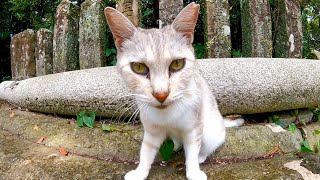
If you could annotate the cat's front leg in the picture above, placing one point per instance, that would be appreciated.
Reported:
(149, 148)
(192, 145)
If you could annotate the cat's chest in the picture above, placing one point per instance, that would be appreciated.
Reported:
(171, 118)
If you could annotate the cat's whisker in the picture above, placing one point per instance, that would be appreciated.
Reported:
(127, 109)
(125, 104)
(136, 112)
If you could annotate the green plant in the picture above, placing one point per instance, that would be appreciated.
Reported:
(276, 119)
(87, 119)
(166, 149)
(236, 53)
(111, 55)
(199, 50)
(305, 147)
(108, 128)
(292, 127)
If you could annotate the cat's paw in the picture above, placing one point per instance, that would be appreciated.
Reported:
(135, 175)
(196, 175)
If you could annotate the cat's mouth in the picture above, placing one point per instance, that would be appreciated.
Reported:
(162, 106)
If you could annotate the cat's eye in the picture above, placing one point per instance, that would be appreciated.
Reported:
(139, 68)
(176, 65)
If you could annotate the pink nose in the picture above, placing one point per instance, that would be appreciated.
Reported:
(161, 97)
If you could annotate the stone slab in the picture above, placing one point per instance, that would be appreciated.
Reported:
(92, 34)
(94, 154)
(246, 142)
(66, 37)
(217, 28)
(44, 52)
(22, 50)
(288, 37)
(256, 28)
(241, 86)
(168, 11)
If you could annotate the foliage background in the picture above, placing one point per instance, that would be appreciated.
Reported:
(18, 15)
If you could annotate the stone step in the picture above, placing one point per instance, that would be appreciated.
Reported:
(94, 154)
(241, 86)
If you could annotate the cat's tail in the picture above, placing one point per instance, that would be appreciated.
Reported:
(233, 123)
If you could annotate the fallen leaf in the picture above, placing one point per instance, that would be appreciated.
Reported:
(63, 152)
(273, 151)
(35, 127)
(42, 138)
(11, 115)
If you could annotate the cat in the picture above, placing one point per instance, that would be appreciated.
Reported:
(174, 100)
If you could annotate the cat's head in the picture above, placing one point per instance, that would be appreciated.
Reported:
(156, 64)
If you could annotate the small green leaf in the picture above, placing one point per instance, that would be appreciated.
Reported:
(305, 147)
(92, 115)
(108, 128)
(80, 118)
(292, 127)
(80, 121)
(318, 146)
(276, 119)
(316, 132)
(82, 113)
(88, 121)
(303, 122)
(166, 149)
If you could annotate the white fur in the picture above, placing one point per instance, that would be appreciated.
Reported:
(189, 115)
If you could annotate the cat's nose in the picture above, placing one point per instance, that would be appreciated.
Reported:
(160, 96)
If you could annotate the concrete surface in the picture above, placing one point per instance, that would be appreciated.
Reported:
(94, 154)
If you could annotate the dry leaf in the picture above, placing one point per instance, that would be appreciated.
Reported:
(42, 138)
(11, 115)
(273, 151)
(35, 127)
(63, 152)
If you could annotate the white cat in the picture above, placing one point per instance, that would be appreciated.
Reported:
(174, 100)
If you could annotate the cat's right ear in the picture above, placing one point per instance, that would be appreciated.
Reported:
(120, 26)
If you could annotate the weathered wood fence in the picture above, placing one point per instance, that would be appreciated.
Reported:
(79, 37)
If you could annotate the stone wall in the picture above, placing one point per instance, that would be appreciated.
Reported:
(79, 39)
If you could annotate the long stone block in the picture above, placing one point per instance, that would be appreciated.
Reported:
(66, 35)
(44, 52)
(288, 25)
(92, 34)
(217, 28)
(256, 28)
(241, 86)
(22, 47)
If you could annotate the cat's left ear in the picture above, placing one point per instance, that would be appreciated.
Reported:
(186, 20)
(120, 26)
